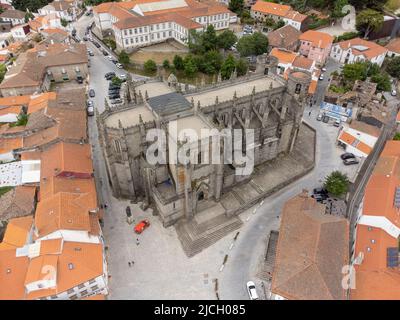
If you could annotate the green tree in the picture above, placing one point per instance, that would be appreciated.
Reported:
(269, 22)
(64, 22)
(190, 67)
(228, 67)
(209, 38)
(337, 183)
(373, 4)
(254, 44)
(32, 5)
(3, 71)
(236, 6)
(166, 64)
(150, 66)
(397, 136)
(369, 20)
(354, 71)
(337, 8)
(123, 58)
(28, 16)
(178, 62)
(226, 39)
(196, 42)
(211, 62)
(241, 67)
(278, 24)
(110, 43)
(382, 80)
(393, 67)
(116, 80)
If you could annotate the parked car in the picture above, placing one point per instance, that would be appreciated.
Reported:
(320, 191)
(319, 197)
(85, 38)
(347, 155)
(116, 101)
(251, 290)
(351, 161)
(114, 86)
(114, 61)
(323, 69)
(119, 66)
(90, 111)
(110, 57)
(80, 80)
(97, 44)
(91, 53)
(105, 53)
(321, 77)
(319, 117)
(90, 103)
(122, 77)
(394, 93)
(141, 226)
(336, 123)
(109, 75)
(91, 93)
(114, 96)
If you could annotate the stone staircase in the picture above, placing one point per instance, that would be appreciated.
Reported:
(267, 265)
(196, 236)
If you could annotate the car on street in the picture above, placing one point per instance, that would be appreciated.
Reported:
(119, 66)
(251, 290)
(105, 53)
(90, 103)
(85, 38)
(122, 77)
(80, 79)
(348, 162)
(323, 69)
(347, 155)
(319, 117)
(394, 93)
(91, 53)
(91, 93)
(109, 75)
(114, 96)
(319, 197)
(110, 57)
(320, 194)
(320, 191)
(116, 101)
(90, 111)
(336, 123)
(321, 77)
(141, 226)
(114, 61)
(97, 44)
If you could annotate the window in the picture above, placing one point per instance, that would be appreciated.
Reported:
(81, 286)
(130, 31)
(84, 292)
(126, 41)
(94, 288)
(70, 291)
(74, 297)
(92, 281)
(117, 145)
(125, 32)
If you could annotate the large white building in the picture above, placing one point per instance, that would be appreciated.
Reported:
(357, 50)
(141, 23)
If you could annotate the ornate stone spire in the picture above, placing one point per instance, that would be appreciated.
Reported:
(216, 100)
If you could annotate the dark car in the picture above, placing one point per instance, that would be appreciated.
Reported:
(114, 85)
(97, 44)
(320, 191)
(114, 96)
(105, 53)
(85, 38)
(114, 61)
(319, 197)
(91, 93)
(109, 75)
(347, 155)
(348, 162)
(115, 101)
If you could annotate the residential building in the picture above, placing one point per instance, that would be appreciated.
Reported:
(358, 138)
(141, 23)
(8, 147)
(49, 21)
(356, 50)
(316, 45)
(375, 252)
(6, 39)
(55, 35)
(20, 32)
(262, 10)
(286, 38)
(16, 17)
(10, 114)
(35, 69)
(61, 8)
(311, 251)
(393, 48)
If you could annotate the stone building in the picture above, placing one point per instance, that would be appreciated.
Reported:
(269, 105)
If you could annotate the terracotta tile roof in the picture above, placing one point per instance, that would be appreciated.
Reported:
(12, 275)
(17, 231)
(317, 38)
(12, 109)
(96, 297)
(31, 66)
(53, 185)
(374, 279)
(10, 144)
(373, 49)
(55, 30)
(66, 157)
(40, 101)
(296, 16)
(312, 248)
(78, 263)
(64, 211)
(394, 45)
(349, 139)
(13, 14)
(284, 56)
(14, 47)
(15, 101)
(313, 86)
(366, 128)
(30, 155)
(283, 37)
(303, 63)
(40, 268)
(51, 246)
(271, 8)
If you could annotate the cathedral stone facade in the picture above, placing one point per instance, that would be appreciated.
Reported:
(264, 102)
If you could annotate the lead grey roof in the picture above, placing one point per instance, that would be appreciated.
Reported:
(169, 103)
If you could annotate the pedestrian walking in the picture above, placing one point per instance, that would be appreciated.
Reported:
(129, 264)
(309, 114)
(133, 262)
(105, 205)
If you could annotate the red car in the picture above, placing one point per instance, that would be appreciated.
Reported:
(139, 228)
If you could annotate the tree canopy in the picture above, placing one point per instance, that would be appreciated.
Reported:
(254, 44)
(228, 67)
(226, 39)
(369, 20)
(123, 58)
(393, 67)
(236, 6)
(32, 5)
(337, 183)
(150, 66)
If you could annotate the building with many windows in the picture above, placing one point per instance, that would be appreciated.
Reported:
(142, 22)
